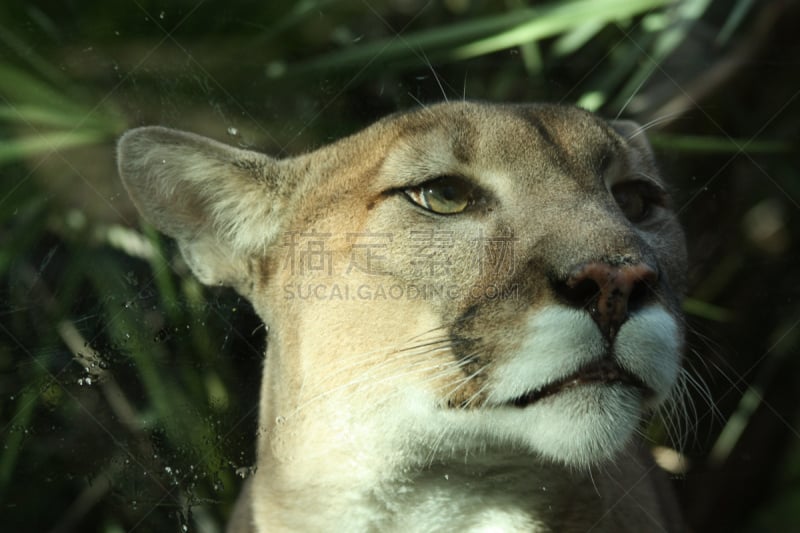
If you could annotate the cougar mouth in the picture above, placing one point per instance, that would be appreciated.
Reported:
(605, 371)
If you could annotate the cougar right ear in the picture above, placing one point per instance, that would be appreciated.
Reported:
(220, 203)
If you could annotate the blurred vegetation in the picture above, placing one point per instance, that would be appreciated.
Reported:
(128, 392)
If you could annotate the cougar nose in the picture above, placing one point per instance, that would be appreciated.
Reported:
(609, 292)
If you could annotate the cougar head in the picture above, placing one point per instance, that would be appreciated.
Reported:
(452, 278)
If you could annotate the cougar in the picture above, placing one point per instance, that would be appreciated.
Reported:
(471, 308)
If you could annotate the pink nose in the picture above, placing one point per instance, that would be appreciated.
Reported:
(609, 292)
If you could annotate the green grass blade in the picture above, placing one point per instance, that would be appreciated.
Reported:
(26, 53)
(299, 12)
(20, 87)
(50, 142)
(555, 20)
(13, 438)
(686, 14)
(733, 22)
(574, 39)
(706, 310)
(28, 99)
(33, 114)
(480, 36)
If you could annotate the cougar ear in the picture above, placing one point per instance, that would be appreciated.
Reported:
(220, 203)
(634, 135)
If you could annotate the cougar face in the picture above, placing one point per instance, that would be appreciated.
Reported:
(456, 279)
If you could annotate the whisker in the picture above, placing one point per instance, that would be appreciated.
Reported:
(369, 379)
(651, 124)
(359, 359)
(465, 380)
(630, 98)
(435, 76)
(417, 100)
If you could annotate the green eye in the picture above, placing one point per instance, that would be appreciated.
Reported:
(447, 195)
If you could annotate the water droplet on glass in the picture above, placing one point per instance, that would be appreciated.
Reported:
(233, 132)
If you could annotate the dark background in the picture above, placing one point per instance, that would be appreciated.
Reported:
(128, 392)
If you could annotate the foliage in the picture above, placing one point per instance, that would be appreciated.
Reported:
(128, 392)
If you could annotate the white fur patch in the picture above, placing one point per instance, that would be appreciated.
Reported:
(588, 423)
(557, 342)
(648, 345)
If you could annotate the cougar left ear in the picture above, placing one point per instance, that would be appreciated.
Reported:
(633, 134)
(220, 203)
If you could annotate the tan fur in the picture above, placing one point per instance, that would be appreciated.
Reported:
(384, 411)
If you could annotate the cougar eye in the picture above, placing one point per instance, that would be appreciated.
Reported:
(445, 195)
(636, 199)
